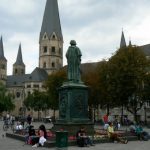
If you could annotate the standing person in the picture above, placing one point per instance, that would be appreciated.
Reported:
(114, 136)
(42, 137)
(110, 118)
(29, 119)
(105, 119)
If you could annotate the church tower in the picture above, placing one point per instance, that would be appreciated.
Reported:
(3, 64)
(123, 41)
(51, 39)
(19, 66)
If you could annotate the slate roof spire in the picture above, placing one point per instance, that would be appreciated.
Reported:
(51, 20)
(122, 42)
(19, 60)
(2, 49)
(130, 44)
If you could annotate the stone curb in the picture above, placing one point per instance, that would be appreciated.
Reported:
(50, 144)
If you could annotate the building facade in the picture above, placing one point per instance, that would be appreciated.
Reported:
(20, 84)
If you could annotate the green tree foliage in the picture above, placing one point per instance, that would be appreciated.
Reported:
(105, 86)
(127, 70)
(55, 80)
(90, 78)
(6, 103)
(37, 101)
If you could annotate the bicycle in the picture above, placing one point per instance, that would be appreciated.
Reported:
(7, 124)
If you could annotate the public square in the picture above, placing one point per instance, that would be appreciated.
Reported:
(12, 144)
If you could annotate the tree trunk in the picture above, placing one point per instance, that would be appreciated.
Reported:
(122, 114)
(107, 108)
(38, 115)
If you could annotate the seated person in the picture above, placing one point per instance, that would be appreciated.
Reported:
(145, 136)
(82, 138)
(142, 135)
(19, 126)
(30, 134)
(132, 128)
(41, 138)
(114, 136)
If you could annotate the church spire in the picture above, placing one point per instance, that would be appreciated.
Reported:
(51, 20)
(122, 42)
(3, 64)
(130, 44)
(2, 49)
(19, 66)
(19, 60)
(51, 39)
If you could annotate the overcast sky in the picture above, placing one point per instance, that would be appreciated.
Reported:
(96, 25)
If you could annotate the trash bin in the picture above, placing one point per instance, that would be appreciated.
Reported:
(61, 139)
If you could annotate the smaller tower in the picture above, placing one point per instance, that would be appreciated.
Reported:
(3, 64)
(123, 41)
(19, 66)
(130, 44)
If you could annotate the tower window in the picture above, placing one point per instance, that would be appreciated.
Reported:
(22, 71)
(18, 94)
(45, 49)
(53, 49)
(16, 71)
(44, 36)
(53, 64)
(53, 36)
(44, 65)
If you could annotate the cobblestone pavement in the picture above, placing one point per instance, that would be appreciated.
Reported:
(12, 144)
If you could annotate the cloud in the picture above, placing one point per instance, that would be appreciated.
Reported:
(96, 25)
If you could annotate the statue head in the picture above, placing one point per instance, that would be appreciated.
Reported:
(73, 42)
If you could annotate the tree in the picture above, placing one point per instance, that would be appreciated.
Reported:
(127, 74)
(90, 78)
(55, 80)
(6, 103)
(37, 101)
(105, 86)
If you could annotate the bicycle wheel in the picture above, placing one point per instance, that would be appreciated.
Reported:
(5, 127)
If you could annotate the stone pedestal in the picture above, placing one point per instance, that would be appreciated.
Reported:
(73, 108)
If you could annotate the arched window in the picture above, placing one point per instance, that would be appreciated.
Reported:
(16, 71)
(53, 37)
(45, 49)
(44, 65)
(53, 64)
(53, 49)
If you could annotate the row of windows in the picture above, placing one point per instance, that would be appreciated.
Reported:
(148, 104)
(53, 49)
(17, 71)
(52, 64)
(34, 86)
(3, 77)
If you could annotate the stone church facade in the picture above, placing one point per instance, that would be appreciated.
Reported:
(20, 84)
